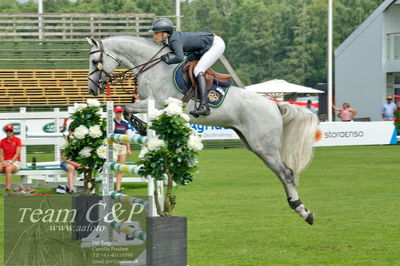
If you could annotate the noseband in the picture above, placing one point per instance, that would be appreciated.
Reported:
(122, 76)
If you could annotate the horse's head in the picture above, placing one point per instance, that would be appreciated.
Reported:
(101, 67)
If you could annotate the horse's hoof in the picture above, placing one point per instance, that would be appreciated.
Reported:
(310, 218)
(194, 114)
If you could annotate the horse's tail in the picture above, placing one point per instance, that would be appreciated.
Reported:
(298, 136)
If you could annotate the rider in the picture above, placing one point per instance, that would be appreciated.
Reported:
(206, 44)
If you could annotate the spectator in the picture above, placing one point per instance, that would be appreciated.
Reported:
(345, 113)
(310, 107)
(120, 149)
(69, 165)
(10, 149)
(388, 109)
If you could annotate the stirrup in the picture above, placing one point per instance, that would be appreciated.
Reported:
(201, 110)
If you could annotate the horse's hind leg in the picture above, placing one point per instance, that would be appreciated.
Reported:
(285, 175)
(272, 159)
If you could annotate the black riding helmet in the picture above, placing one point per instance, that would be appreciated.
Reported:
(162, 25)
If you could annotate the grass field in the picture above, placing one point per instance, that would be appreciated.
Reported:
(238, 214)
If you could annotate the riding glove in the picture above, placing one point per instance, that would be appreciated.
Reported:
(164, 57)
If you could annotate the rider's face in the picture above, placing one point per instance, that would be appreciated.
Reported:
(160, 37)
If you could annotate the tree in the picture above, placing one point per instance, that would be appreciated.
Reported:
(265, 39)
(9, 6)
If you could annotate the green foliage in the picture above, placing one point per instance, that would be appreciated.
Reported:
(172, 153)
(397, 120)
(175, 158)
(87, 117)
(9, 6)
(269, 39)
(277, 39)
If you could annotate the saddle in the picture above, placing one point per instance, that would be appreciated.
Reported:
(212, 77)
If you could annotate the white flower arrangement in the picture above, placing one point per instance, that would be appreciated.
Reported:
(173, 109)
(86, 152)
(186, 117)
(81, 132)
(79, 107)
(192, 162)
(102, 151)
(143, 152)
(155, 144)
(172, 100)
(194, 143)
(85, 144)
(155, 114)
(95, 131)
(172, 155)
(93, 103)
(63, 143)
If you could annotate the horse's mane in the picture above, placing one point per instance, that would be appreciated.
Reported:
(149, 42)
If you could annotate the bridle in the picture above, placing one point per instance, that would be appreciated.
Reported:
(122, 76)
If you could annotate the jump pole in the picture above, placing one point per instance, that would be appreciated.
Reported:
(110, 165)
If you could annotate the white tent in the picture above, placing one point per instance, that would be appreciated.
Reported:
(278, 88)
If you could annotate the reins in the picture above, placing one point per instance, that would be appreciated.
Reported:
(122, 76)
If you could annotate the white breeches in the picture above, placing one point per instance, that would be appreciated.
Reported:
(211, 56)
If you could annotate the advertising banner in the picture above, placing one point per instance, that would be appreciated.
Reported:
(332, 133)
(357, 133)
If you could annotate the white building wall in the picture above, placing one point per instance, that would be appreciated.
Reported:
(359, 77)
(392, 19)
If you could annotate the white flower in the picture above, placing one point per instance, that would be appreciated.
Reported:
(63, 144)
(79, 107)
(143, 152)
(86, 152)
(179, 150)
(95, 131)
(155, 114)
(192, 162)
(171, 100)
(194, 143)
(155, 144)
(81, 132)
(186, 117)
(102, 152)
(93, 103)
(173, 109)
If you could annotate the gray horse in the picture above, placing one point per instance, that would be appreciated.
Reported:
(280, 134)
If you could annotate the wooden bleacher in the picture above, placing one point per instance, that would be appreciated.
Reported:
(48, 66)
(24, 87)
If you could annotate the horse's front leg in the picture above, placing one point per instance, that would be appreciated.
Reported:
(137, 123)
(134, 108)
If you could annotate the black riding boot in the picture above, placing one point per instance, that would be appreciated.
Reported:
(203, 108)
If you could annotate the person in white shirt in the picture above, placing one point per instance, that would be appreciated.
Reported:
(388, 109)
(310, 107)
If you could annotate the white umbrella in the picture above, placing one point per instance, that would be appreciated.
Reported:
(278, 88)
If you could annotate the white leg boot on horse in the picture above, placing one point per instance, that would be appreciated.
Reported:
(138, 107)
(203, 108)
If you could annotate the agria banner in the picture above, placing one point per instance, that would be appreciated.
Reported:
(357, 133)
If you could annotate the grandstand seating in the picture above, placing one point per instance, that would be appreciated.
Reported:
(22, 87)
